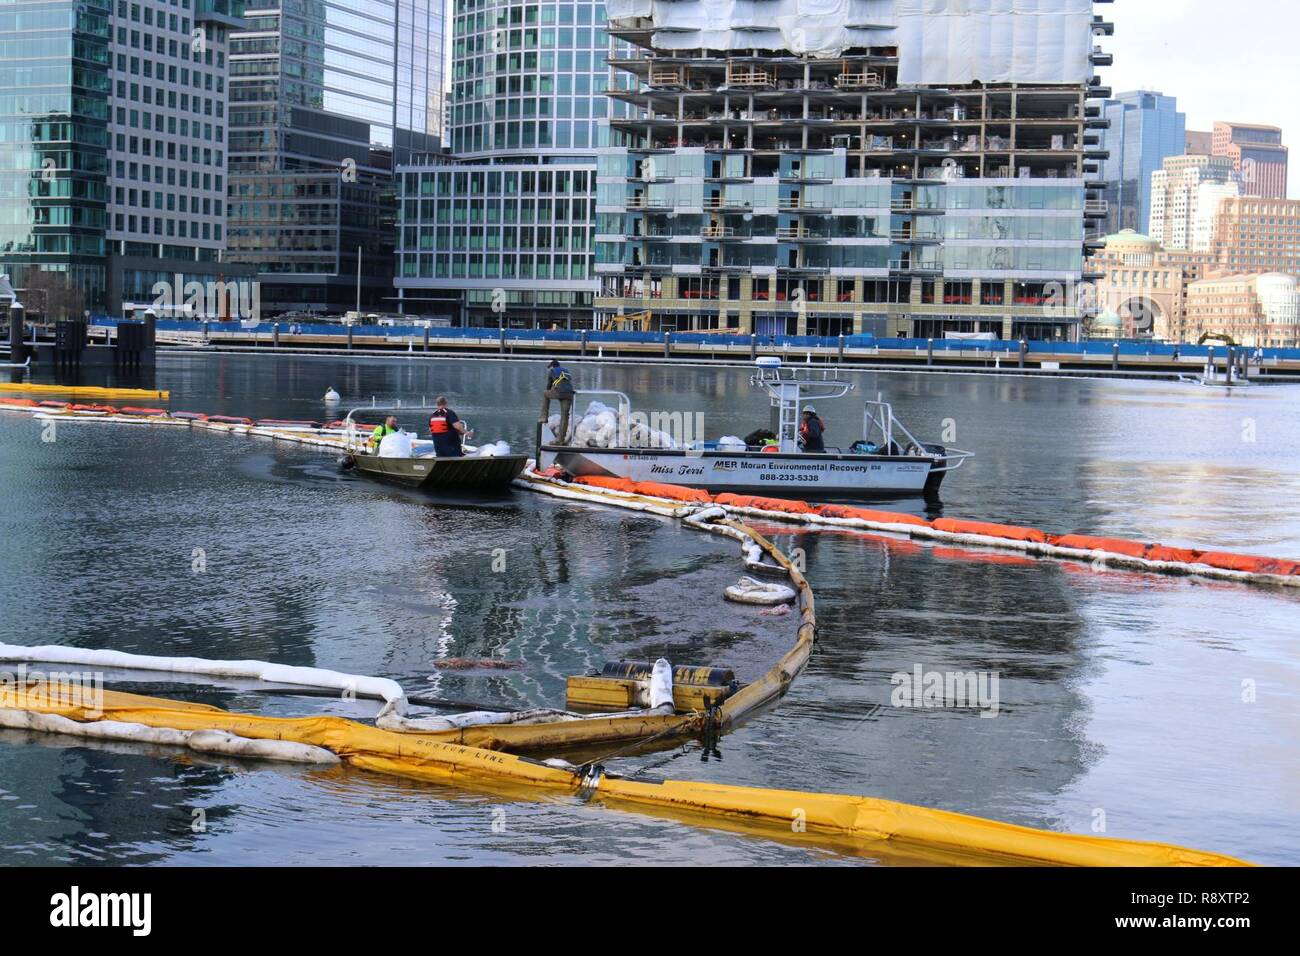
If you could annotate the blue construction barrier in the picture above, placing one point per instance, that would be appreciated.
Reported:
(991, 346)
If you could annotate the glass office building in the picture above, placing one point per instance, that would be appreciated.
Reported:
(114, 119)
(1145, 127)
(326, 95)
(167, 155)
(54, 107)
(501, 231)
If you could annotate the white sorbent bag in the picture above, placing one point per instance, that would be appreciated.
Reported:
(396, 445)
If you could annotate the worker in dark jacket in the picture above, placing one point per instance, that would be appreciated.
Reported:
(811, 431)
(559, 386)
(447, 430)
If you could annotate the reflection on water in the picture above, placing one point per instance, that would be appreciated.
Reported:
(1121, 695)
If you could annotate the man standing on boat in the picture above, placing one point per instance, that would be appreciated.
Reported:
(559, 386)
(811, 431)
(447, 430)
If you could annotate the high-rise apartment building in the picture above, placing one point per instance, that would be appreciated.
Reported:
(325, 98)
(857, 171)
(1185, 194)
(501, 230)
(1145, 127)
(1258, 156)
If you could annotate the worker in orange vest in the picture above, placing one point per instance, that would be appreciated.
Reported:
(447, 430)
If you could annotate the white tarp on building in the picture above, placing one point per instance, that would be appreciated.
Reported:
(939, 41)
(994, 41)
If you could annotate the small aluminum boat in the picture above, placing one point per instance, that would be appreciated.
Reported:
(888, 461)
(424, 469)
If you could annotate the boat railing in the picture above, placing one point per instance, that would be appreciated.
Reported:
(357, 439)
(878, 419)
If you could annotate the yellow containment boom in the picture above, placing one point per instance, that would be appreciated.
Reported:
(83, 391)
(863, 825)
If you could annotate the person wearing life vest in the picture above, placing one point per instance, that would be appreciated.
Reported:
(389, 427)
(811, 431)
(447, 430)
(559, 387)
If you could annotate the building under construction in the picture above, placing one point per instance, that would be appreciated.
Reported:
(828, 167)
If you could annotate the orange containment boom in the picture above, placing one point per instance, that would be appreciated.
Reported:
(1117, 552)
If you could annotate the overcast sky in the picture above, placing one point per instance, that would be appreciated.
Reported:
(1234, 60)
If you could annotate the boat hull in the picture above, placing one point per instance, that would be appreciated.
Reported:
(833, 475)
(469, 473)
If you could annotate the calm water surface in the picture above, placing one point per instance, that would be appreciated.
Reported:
(1121, 695)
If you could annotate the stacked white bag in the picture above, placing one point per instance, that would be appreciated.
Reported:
(396, 445)
(495, 449)
(599, 427)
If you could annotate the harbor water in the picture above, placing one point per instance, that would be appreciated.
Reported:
(1138, 706)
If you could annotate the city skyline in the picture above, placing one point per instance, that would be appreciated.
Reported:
(1167, 47)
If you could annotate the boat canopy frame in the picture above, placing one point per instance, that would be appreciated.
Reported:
(355, 442)
(790, 388)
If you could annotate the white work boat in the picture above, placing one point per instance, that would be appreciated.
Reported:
(888, 461)
(1229, 376)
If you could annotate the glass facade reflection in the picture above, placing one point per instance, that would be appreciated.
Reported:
(503, 232)
(54, 93)
(325, 96)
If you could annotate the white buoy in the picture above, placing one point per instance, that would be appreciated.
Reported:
(332, 397)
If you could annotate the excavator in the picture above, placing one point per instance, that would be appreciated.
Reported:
(632, 322)
(1214, 337)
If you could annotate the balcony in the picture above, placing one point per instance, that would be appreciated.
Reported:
(743, 76)
(912, 267)
(718, 232)
(868, 80)
(907, 235)
(722, 202)
(799, 234)
(647, 202)
(668, 77)
(799, 203)
(1096, 209)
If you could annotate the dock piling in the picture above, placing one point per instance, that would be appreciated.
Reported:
(17, 346)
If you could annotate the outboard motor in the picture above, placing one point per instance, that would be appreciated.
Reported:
(935, 478)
